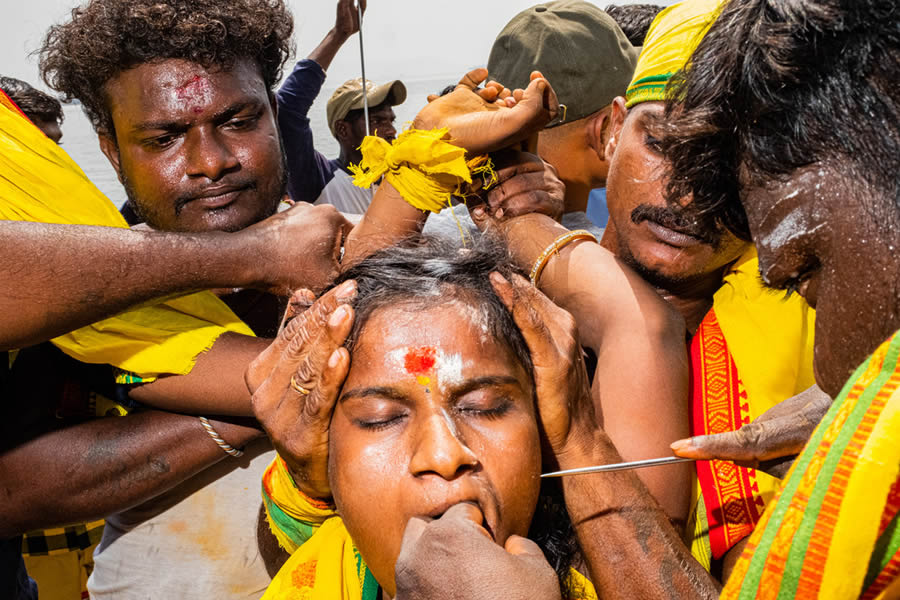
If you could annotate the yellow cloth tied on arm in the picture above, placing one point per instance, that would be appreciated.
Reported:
(40, 182)
(425, 169)
(671, 40)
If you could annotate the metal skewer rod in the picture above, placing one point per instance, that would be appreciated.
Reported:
(637, 464)
(362, 66)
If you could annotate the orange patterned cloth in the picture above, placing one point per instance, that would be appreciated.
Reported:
(833, 532)
(752, 351)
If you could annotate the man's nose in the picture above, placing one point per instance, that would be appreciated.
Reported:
(209, 156)
(440, 450)
(386, 131)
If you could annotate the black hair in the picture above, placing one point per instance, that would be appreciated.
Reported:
(34, 103)
(358, 113)
(779, 85)
(103, 38)
(634, 19)
(425, 271)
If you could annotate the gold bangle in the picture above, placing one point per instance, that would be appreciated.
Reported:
(228, 448)
(554, 248)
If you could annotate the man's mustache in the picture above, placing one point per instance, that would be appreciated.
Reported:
(183, 200)
(676, 220)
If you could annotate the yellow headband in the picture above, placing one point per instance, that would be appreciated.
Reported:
(672, 38)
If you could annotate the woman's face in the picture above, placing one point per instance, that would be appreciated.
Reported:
(434, 412)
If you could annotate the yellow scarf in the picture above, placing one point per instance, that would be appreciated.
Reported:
(324, 562)
(672, 38)
(40, 182)
(770, 340)
(832, 531)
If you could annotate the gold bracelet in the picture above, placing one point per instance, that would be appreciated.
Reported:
(554, 248)
(230, 450)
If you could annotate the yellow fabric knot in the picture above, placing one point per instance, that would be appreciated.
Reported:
(425, 169)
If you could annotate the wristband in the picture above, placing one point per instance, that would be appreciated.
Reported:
(230, 450)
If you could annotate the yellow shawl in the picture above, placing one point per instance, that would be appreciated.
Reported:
(672, 38)
(770, 341)
(324, 562)
(40, 182)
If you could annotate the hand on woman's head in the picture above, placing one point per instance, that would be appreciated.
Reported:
(565, 409)
(296, 380)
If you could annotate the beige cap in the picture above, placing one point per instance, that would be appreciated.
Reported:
(350, 97)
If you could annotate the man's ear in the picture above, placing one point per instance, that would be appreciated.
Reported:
(341, 131)
(110, 149)
(617, 116)
(598, 131)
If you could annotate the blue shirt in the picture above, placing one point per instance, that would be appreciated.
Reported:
(308, 170)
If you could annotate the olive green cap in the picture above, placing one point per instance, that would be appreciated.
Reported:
(579, 49)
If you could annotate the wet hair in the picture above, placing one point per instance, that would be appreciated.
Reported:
(34, 103)
(427, 271)
(106, 37)
(634, 19)
(779, 85)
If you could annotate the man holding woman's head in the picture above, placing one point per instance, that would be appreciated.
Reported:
(432, 378)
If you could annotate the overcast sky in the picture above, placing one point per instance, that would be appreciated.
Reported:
(409, 39)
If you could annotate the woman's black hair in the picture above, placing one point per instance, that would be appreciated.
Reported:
(426, 271)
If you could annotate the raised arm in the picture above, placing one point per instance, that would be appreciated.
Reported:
(641, 382)
(309, 170)
(61, 277)
(87, 471)
(630, 546)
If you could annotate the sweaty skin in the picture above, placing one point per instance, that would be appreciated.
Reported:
(828, 258)
(683, 262)
(196, 149)
(399, 451)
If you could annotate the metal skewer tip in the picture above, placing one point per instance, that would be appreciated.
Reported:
(637, 464)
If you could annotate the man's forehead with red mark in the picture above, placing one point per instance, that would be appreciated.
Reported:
(419, 360)
(197, 90)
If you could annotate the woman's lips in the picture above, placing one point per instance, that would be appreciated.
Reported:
(487, 516)
(670, 236)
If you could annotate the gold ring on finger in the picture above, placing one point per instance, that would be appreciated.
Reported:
(299, 388)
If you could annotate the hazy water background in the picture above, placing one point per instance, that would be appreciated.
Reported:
(80, 141)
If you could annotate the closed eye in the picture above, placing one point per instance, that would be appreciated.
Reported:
(380, 423)
(498, 408)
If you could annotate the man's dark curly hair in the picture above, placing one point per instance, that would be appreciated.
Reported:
(34, 103)
(781, 84)
(106, 37)
(634, 19)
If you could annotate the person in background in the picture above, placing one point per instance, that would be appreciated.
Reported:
(42, 109)
(311, 176)
(588, 61)
(634, 19)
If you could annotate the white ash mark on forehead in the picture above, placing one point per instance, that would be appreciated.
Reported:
(448, 368)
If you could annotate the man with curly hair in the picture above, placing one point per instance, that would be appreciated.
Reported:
(180, 93)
